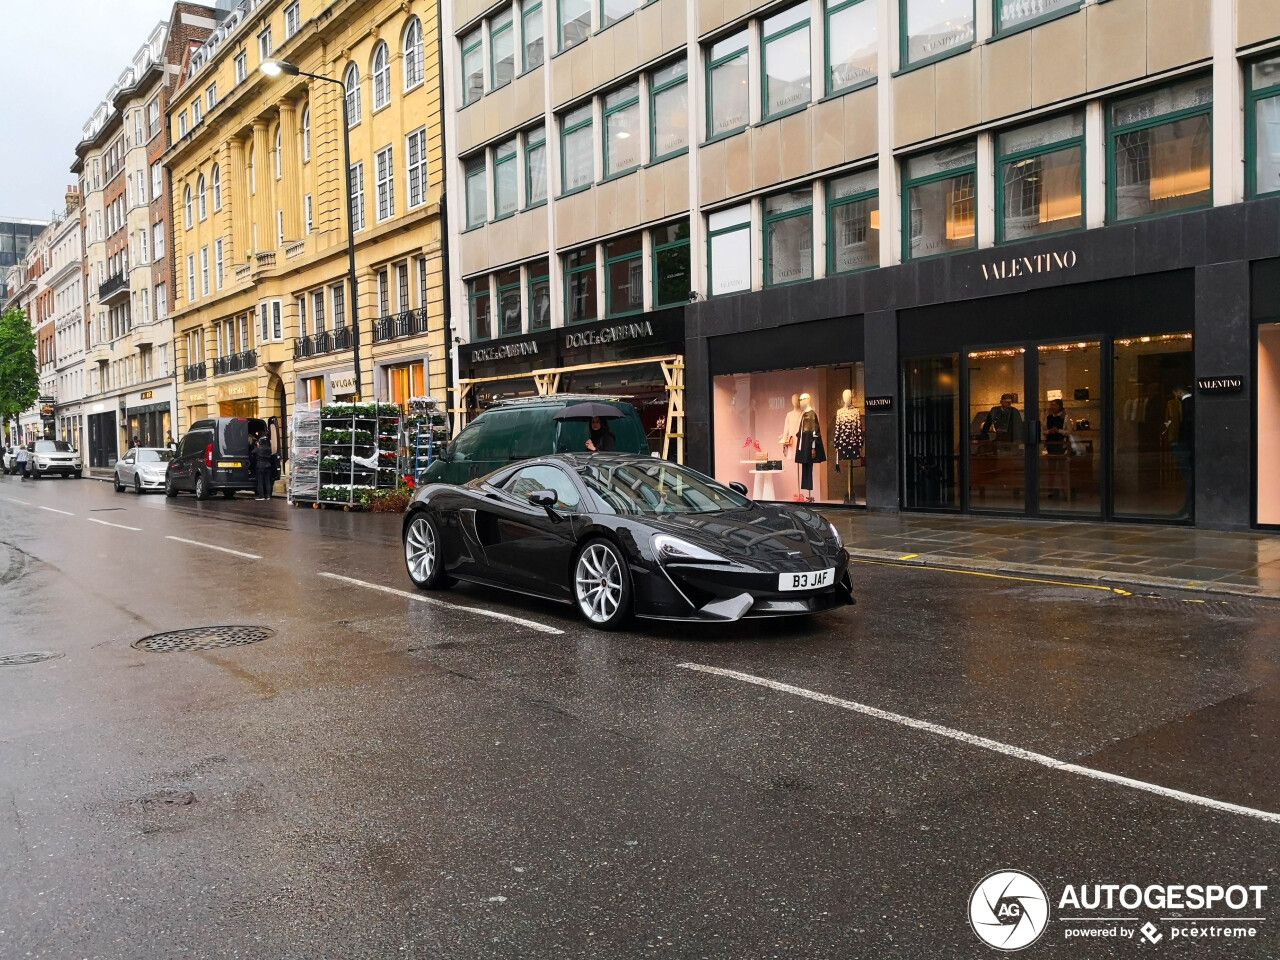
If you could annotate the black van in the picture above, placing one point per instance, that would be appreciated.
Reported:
(214, 456)
(513, 430)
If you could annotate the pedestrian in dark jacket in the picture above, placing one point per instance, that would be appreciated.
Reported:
(262, 469)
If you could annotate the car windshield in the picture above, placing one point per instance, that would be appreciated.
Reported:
(53, 446)
(155, 456)
(657, 487)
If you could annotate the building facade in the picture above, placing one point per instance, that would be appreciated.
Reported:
(264, 312)
(66, 282)
(16, 236)
(1002, 257)
(131, 391)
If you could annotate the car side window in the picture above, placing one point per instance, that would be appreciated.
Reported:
(545, 477)
(464, 447)
(128, 457)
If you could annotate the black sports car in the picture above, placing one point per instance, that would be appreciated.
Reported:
(622, 534)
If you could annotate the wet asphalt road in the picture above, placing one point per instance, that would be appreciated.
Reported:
(391, 778)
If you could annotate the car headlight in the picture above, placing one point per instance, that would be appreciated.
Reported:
(835, 535)
(671, 549)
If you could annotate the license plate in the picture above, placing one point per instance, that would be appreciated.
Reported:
(806, 581)
(228, 463)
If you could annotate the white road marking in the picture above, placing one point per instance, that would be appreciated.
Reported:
(210, 546)
(119, 526)
(16, 500)
(494, 614)
(65, 513)
(993, 745)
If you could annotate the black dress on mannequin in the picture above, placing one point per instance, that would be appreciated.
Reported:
(809, 448)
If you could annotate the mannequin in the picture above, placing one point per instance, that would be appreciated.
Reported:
(847, 439)
(809, 448)
(790, 428)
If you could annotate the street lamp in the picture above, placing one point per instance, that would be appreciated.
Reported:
(278, 68)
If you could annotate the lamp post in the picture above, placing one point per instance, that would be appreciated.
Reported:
(277, 68)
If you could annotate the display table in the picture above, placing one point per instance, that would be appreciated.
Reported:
(761, 481)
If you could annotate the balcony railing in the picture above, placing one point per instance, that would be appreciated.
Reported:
(236, 362)
(194, 371)
(407, 324)
(112, 287)
(266, 260)
(342, 338)
(318, 344)
(243, 272)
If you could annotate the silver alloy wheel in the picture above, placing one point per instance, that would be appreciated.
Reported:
(598, 583)
(420, 550)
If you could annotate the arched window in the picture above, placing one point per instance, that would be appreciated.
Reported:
(202, 198)
(278, 137)
(352, 82)
(187, 206)
(413, 73)
(306, 134)
(381, 76)
(216, 182)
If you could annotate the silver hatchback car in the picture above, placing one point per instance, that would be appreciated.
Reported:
(142, 468)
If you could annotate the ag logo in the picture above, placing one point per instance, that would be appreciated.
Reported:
(1009, 910)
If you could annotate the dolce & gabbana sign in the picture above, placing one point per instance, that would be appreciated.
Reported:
(614, 334)
(1028, 266)
(505, 351)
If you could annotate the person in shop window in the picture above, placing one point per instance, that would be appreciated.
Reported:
(262, 466)
(602, 438)
(1056, 438)
(1005, 421)
(1182, 444)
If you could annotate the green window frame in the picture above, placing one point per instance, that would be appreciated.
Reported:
(535, 180)
(501, 29)
(669, 241)
(777, 31)
(1262, 86)
(783, 215)
(569, 6)
(576, 264)
(478, 292)
(850, 9)
(665, 84)
(863, 193)
(539, 276)
(509, 281)
(736, 220)
(616, 123)
(721, 55)
(472, 50)
(532, 13)
(1005, 162)
(576, 124)
(1196, 86)
(624, 258)
(475, 173)
(952, 47)
(999, 29)
(505, 175)
(630, 6)
(957, 172)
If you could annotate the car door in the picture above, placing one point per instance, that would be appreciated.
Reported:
(530, 547)
(125, 468)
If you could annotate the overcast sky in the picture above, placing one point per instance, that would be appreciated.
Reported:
(60, 59)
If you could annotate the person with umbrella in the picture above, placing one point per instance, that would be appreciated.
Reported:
(602, 438)
(598, 415)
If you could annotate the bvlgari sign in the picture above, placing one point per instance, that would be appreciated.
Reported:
(1038, 263)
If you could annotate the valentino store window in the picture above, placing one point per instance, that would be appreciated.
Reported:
(1268, 420)
(788, 412)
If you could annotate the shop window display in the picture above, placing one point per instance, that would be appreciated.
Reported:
(1268, 465)
(793, 435)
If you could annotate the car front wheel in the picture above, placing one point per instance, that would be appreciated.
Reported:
(423, 556)
(118, 485)
(137, 485)
(170, 490)
(602, 585)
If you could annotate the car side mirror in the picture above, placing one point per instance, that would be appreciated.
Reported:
(543, 498)
(737, 487)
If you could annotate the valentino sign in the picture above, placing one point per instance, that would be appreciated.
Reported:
(1029, 266)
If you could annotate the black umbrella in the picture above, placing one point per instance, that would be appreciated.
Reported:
(588, 411)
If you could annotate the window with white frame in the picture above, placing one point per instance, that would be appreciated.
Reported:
(381, 69)
(264, 43)
(414, 74)
(157, 180)
(292, 19)
(216, 182)
(278, 152)
(306, 212)
(157, 241)
(191, 277)
(202, 198)
(385, 171)
(306, 134)
(351, 80)
(357, 195)
(242, 67)
(277, 321)
(143, 256)
(211, 96)
(197, 112)
(188, 208)
(218, 274)
(204, 271)
(416, 166)
(279, 228)
(729, 250)
(182, 124)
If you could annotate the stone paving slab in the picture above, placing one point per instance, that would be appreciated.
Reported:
(1181, 558)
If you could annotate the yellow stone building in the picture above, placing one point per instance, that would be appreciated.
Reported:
(262, 303)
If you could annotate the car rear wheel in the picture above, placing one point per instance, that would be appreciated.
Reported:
(422, 554)
(202, 487)
(602, 585)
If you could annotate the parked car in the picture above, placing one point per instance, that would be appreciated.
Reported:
(514, 430)
(9, 463)
(621, 534)
(142, 468)
(53, 457)
(213, 457)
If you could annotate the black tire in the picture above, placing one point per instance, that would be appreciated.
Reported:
(115, 482)
(606, 605)
(229, 494)
(202, 487)
(137, 485)
(422, 538)
(170, 491)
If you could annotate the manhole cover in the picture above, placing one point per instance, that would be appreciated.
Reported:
(170, 798)
(18, 659)
(203, 638)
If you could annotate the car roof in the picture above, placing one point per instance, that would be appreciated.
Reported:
(553, 400)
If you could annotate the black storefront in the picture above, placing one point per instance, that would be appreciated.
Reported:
(1125, 373)
(623, 357)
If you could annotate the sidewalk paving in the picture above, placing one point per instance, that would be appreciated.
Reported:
(1182, 558)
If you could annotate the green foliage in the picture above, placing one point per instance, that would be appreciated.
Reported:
(19, 378)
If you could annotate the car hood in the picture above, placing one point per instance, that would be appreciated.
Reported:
(756, 534)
